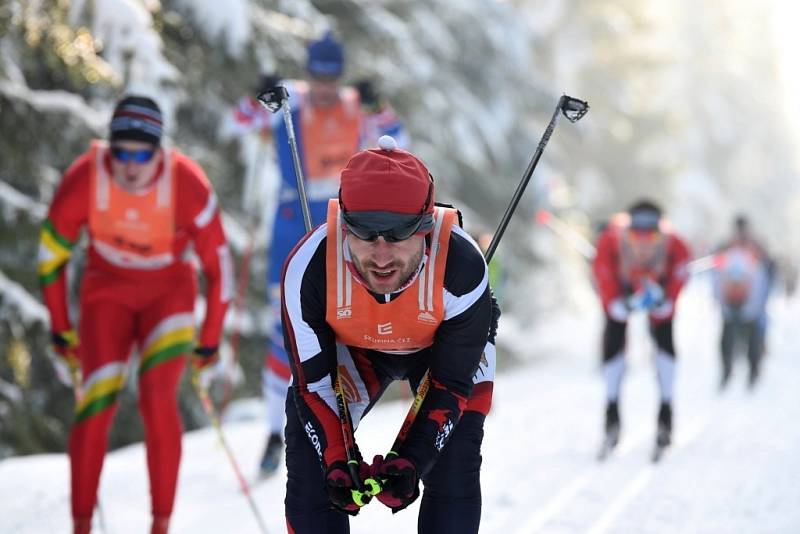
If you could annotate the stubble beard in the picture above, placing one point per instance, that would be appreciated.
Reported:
(407, 271)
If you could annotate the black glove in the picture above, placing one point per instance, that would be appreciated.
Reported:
(399, 479)
(496, 313)
(68, 367)
(202, 357)
(341, 487)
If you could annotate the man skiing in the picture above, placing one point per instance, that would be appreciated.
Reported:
(389, 288)
(641, 264)
(329, 127)
(143, 205)
(741, 285)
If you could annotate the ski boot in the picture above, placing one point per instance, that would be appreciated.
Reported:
(272, 456)
(160, 525)
(664, 432)
(724, 378)
(752, 379)
(612, 429)
(81, 525)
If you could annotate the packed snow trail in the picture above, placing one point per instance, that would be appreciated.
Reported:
(732, 467)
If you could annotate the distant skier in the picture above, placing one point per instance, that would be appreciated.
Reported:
(742, 276)
(143, 206)
(641, 264)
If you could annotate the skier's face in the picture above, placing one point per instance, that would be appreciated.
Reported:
(133, 163)
(643, 244)
(386, 266)
(324, 91)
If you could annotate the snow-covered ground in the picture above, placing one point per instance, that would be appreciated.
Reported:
(733, 468)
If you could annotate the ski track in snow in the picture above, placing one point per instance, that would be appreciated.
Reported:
(733, 465)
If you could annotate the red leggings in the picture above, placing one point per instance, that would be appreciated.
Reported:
(116, 318)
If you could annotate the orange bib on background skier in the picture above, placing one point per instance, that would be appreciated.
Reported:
(128, 229)
(737, 267)
(330, 136)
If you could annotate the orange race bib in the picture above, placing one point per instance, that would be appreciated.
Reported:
(132, 230)
(330, 136)
(406, 324)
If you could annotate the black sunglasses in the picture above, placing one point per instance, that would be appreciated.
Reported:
(400, 232)
(392, 235)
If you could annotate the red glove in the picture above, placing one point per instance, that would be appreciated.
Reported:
(399, 479)
(343, 490)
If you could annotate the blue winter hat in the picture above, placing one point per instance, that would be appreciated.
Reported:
(326, 57)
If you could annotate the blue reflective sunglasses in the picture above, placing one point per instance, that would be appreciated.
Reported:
(136, 156)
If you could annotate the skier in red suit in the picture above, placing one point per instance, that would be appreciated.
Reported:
(641, 264)
(142, 205)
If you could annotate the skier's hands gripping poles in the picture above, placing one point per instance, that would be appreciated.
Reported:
(343, 488)
(397, 476)
(351, 492)
(205, 400)
(399, 481)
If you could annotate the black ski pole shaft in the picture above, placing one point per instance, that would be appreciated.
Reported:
(347, 431)
(573, 109)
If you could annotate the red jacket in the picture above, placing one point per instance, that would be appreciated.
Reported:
(197, 222)
(618, 274)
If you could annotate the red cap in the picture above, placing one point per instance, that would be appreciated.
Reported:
(386, 179)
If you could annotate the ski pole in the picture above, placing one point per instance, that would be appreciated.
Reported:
(703, 264)
(349, 444)
(573, 109)
(205, 400)
(274, 100)
(564, 230)
(422, 391)
(589, 251)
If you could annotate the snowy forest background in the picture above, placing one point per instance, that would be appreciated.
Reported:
(693, 103)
